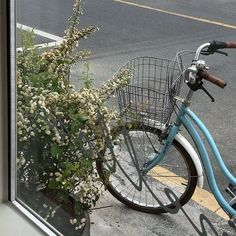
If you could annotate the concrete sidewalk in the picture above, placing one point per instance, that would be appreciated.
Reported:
(112, 218)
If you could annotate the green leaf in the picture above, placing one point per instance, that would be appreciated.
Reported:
(129, 126)
(79, 117)
(53, 184)
(56, 150)
(75, 127)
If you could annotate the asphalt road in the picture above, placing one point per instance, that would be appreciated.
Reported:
(142, 29)
(127, 31)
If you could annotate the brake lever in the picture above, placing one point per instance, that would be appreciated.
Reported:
(207, 52)
(207, 93)
(221, 52)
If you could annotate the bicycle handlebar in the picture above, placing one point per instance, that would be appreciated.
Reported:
(213, 47)
(231, 44)
(207, 49)
(211, 78)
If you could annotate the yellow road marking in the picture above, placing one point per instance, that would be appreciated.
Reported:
(207, 199)
(179, 14)
(200, 196)
(161, 174)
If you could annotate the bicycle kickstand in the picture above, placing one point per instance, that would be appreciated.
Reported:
(232, 222)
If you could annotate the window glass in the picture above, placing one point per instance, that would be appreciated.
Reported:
(66, 52)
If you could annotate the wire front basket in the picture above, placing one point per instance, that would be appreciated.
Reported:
(148, 98)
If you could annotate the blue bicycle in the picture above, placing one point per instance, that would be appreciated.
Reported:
(148, 153)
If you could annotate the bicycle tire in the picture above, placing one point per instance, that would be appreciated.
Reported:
(144, 199)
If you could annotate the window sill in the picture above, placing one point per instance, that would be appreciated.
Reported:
(13, 222)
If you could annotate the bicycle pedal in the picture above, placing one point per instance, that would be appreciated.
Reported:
(232, 187)
(232, 203)
(232, 222)
(231, 190)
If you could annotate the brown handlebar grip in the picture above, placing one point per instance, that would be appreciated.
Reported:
(231, 44)
(212, 78)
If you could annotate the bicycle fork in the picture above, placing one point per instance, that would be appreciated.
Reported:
(158, 157)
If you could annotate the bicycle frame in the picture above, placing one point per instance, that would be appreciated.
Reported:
(187, 118)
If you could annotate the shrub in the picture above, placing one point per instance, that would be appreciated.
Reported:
(58, 132)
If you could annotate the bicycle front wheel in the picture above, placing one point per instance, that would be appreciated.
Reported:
(126, 182)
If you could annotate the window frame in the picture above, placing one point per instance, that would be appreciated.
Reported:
(4, 190)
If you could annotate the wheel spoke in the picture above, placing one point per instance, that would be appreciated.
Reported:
(176, 172)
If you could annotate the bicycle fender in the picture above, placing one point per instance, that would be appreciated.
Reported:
(196, 160)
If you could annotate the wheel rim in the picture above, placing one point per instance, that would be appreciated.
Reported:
(148, 191)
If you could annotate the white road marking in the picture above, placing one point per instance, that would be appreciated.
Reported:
(42, 45)
(39, 32)
(56, 39)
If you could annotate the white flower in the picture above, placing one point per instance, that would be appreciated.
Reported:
(48, 132)
(53, 213)
(58, 174)
(22, 161)
(58, 179)
(58, 113)
(40, 187)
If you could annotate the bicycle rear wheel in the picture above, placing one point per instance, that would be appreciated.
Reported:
(176, 171)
